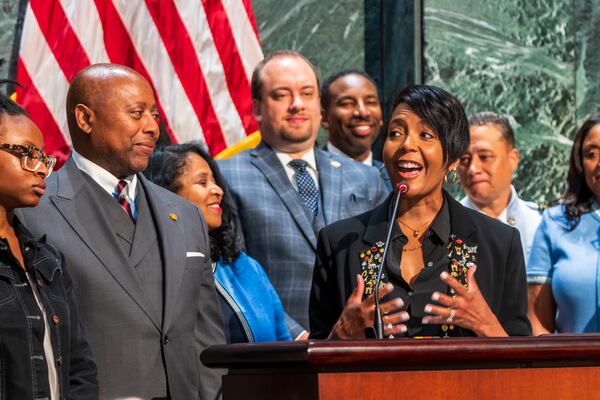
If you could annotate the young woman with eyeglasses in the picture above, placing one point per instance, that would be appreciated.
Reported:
(43, 351)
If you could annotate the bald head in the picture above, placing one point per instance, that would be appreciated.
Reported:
(112, 117)
(92, 86)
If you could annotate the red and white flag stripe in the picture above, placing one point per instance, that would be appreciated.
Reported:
(198, 55)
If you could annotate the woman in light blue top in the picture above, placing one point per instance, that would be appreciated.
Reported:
(563, 270)
(252, 311)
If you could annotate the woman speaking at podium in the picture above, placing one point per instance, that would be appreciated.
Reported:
(448, 270)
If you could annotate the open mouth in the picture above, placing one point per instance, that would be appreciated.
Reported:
(216, 207)
(409, 169)
(362, 130)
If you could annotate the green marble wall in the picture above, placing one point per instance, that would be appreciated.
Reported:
(533, 60)
(8, 15)
(329, 32)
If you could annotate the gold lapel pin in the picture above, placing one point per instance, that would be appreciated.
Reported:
(173, 216)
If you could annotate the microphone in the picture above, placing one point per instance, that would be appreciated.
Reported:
(402, 188)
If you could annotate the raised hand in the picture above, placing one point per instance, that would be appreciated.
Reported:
(359, 314)
(468, 309)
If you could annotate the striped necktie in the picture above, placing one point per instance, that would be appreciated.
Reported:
(120, 191)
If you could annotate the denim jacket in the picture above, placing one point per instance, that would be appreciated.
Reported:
(23, 365)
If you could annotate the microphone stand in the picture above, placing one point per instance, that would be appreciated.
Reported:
(402, 188)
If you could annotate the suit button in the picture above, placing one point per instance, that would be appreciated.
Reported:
(165, 340)
(55, 319)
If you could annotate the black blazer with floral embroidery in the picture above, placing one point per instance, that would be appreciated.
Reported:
(499, 258)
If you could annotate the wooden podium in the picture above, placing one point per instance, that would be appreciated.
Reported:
(549, 367)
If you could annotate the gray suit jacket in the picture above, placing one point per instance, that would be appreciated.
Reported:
(277, 225)
(126, 333)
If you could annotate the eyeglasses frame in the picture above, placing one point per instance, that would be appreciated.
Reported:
(23, 152)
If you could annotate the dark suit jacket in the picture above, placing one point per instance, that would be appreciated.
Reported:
(277, 225)
(500, 266)
(125, 332)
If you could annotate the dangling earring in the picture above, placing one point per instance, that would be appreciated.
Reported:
(451, 176)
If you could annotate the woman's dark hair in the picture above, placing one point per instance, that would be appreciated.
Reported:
(166, 166)
(7, 106)
(578, 197)
(442, 112)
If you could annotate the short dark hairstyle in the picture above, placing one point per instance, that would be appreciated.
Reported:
(491, 118)
(7, 105)
(578, 197)
(326, 85)
(166, 166)
(442, 112)
(256, 82)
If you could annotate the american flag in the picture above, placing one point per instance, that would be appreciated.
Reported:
(197, 54)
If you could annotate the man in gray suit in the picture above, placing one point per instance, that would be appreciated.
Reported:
(138, 254)
(286, 190)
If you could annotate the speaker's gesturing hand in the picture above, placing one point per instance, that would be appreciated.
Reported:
(359, 314)
(467, 309)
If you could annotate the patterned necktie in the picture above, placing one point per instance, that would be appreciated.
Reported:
(120, 191)
(307, 188)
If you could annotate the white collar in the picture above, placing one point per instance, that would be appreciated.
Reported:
(309, 157)
(334, 150)
(503, 216)
(595, 208)
(105, 179)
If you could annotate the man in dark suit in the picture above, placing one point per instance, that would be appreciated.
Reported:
(352, 117)
(286, 190)
(138, 254)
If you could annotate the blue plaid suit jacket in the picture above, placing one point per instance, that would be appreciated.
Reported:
(277, 225)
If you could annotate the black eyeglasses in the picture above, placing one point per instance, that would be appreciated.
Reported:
(31, 157)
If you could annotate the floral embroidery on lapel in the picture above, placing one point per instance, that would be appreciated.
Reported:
(370, 262)
(462, 257)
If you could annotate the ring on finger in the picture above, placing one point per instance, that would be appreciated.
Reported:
(390, 326)
(451, 317)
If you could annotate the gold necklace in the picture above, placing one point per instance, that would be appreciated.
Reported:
(416, 232)
(413, 248)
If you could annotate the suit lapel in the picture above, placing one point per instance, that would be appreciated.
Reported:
(72, 189)
(460, 221)
(266, 161)
(374, 234)
(171, 237)
(330, 184)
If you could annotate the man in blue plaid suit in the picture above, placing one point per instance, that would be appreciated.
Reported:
(286, 189)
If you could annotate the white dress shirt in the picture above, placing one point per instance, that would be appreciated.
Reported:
(523, 215)
(334, 150)
(309, 157)
(108, 181)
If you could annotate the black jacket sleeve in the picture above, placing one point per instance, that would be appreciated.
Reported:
(513, 310)
(324, 309)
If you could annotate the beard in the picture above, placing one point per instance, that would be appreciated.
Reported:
(296, 135)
